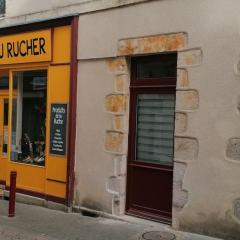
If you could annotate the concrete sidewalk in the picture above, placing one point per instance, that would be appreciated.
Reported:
(39, 223)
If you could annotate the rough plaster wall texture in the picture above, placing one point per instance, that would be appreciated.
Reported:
(93, 165)
(213, 25)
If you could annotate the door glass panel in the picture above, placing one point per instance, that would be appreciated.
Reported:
(29, 117)
(155, 128)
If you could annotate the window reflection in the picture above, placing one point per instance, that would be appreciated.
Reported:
(29, 117)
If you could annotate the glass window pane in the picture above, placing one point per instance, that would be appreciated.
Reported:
(4, 82)
(29, 117)
(5, 127)
(155, 70)
(155, 128)
(2, 7)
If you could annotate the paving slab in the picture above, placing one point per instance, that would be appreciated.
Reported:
(39, 223)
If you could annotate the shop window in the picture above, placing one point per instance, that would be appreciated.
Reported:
(2, 7)
(29, 117)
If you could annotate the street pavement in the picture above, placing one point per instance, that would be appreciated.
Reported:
(39, 223)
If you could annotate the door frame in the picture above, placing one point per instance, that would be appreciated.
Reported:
(138, 86)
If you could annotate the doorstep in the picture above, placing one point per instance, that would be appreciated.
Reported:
(148, 225)
(124, 217)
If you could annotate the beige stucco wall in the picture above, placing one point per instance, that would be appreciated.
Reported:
(16, 8)
(93, 165)
(212, 180)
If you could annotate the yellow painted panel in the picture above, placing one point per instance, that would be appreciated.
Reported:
(3, 169)
(56, 189)
(57, 168)
(61, 44)
(59, 83)
(28, 177)
(26, 47)
(58, 92)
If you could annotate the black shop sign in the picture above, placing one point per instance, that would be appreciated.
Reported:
(58, 129)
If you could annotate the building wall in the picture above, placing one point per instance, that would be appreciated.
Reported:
(206, 158)
(59, 7)
(207, 161)
(93, 165)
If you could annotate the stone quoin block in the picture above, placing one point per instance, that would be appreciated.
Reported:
(116, 185)
(236, 207)
(187, 100)
(118, 64)
(118, 205)
(116, 103)
(179, 172)
(185, 149)
(238, 103)
(180, 122)
(120, 165)
(120, 123)
(180, 196)
(182, 78)
(233, 149)
(188, 58)
(152, 44)
(115, 142)
(121, 83)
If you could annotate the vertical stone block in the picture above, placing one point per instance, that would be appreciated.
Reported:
(115, 142)
(116, 103)
(120, 165)
(185, 149)
(188, 58)
(233, 149)
(238, 103)
(187, 100)
(120, 123)
(179, 171)
(116, 185)
(118, 205)
(180, 196)
(121, 83)
(182, 78)
(118, 64)
(236, 207)
(180, 122)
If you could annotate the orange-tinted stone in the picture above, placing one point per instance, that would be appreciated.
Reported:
(116, 103)
(152, 44)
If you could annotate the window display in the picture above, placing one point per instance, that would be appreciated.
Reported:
(29, 117)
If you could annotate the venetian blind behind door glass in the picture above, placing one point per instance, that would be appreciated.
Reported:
(155, 128)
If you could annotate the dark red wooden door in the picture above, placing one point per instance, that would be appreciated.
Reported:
(151, 137)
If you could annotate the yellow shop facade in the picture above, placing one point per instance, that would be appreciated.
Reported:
(38, 107)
